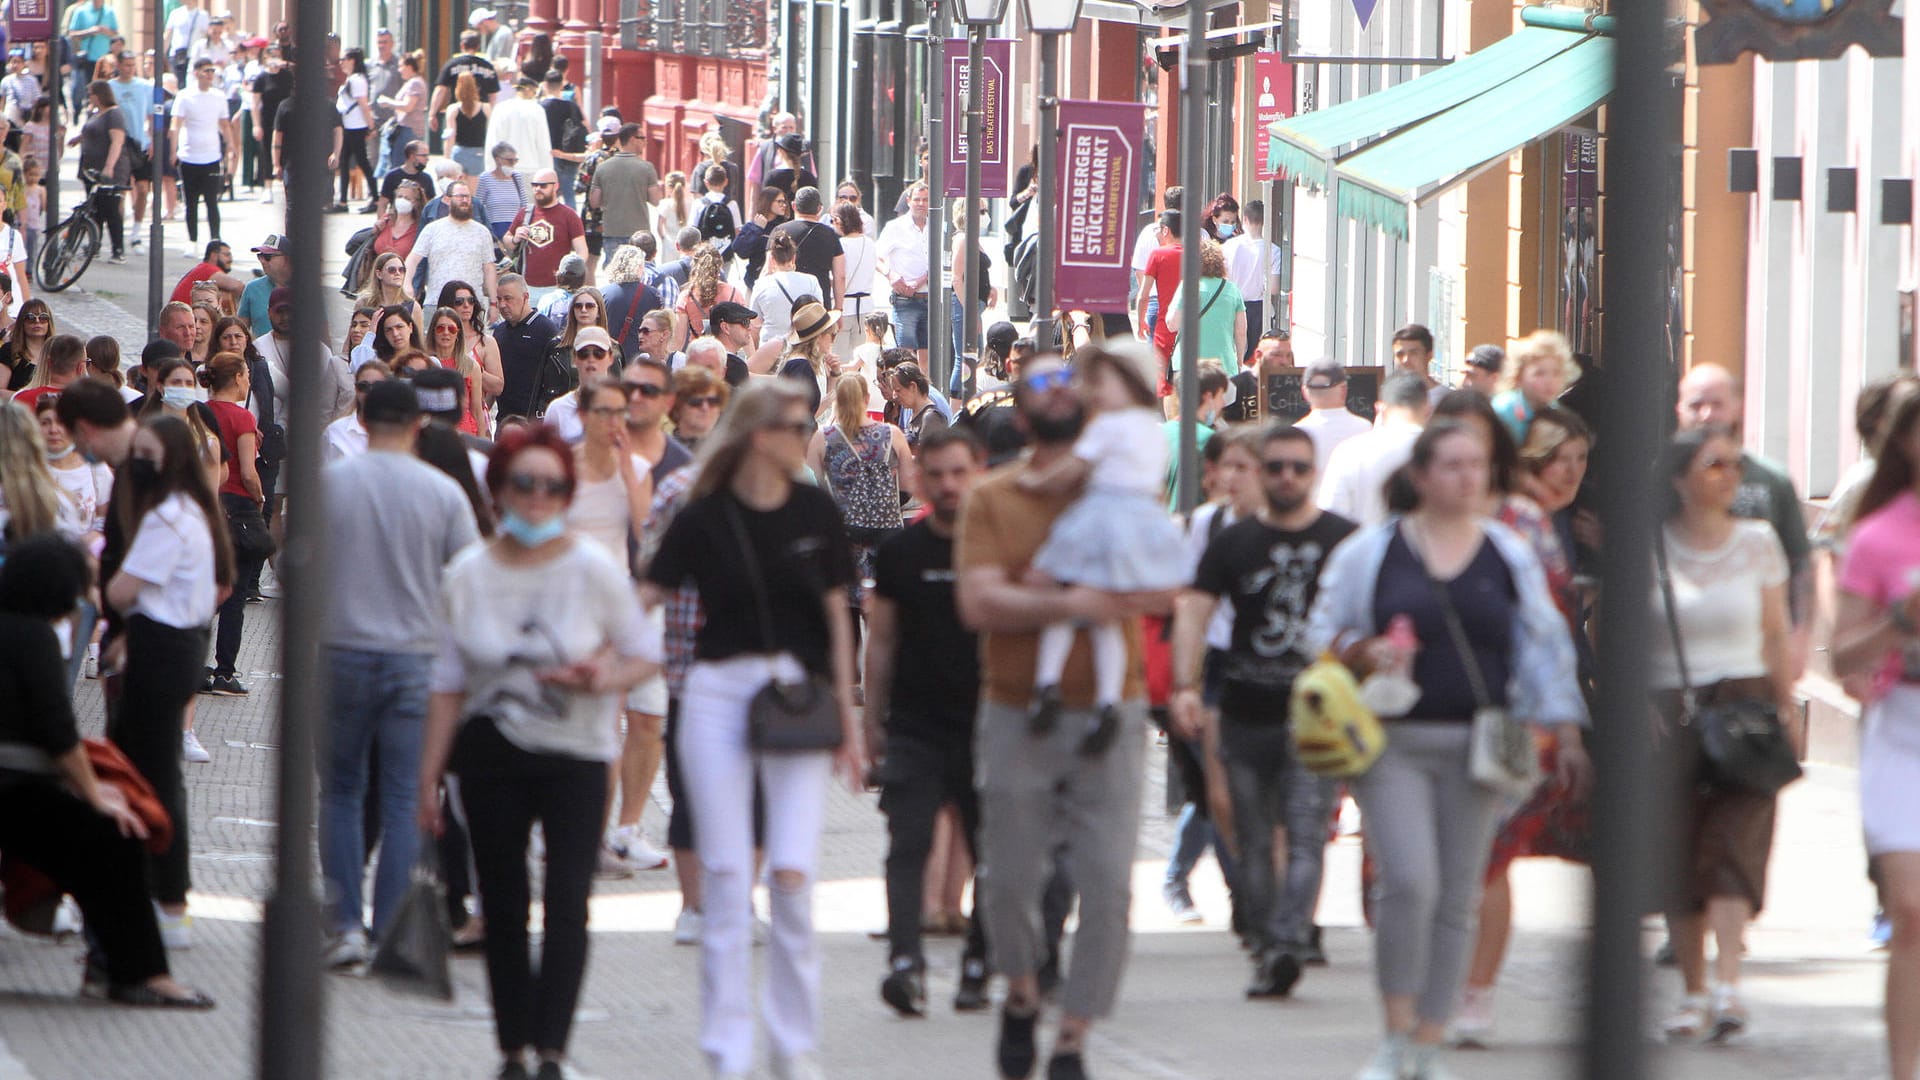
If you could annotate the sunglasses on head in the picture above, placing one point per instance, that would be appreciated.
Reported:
(527, 484)
(1043, 381)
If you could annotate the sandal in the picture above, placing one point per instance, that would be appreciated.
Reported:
(141, 995)
(1689, 1021)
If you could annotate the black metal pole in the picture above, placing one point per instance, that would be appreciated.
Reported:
(938, 342)
(976, 123)
(156, 153)
(56, 139)
(1048, 140)
(1193, 164)
(291, 1023)
(1633, 420)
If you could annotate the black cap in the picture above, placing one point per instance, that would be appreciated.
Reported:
(791, 142)
(1487, 357)
(1001, 336)
(390, 401)
(157, 352)
(726, 311)
(440, 393)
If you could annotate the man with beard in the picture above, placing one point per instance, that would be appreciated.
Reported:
(923, 682)
(550, 230)
(1042, 798)
(217, 267)
(1267, 567)
(457, 248)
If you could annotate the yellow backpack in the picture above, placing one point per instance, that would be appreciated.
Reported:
(1333, 733)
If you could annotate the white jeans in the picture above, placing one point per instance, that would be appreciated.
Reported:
(719, 769)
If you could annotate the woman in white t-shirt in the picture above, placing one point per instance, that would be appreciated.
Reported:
(89, 483)
(542, 633)
(14, 253)
(780, 288)
(165, 586)
(356, 116)
(859, 301)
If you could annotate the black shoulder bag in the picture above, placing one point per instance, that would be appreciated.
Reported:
(1743, 746)
(783, 717)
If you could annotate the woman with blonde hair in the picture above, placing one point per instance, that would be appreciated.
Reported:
(31, 500)
(206, 292)
(864, 464)
(1539, 369)
(809, 358)
(675, 211)
(706, 286)
(26, 344)
(447, 345)
(387, 286)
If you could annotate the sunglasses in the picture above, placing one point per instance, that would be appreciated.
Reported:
(588, 305)
(709, 402)
(546, 183)
(594, 351)
(646, 390)
(1284, 465)
(443, 328)
(38, 316)
(458, 300)
(606, 412)
(1044, 381)
(363, 387)
(526, 484)
(396, 268)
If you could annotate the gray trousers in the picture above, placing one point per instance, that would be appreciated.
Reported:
(1039, 797)
(1430, 828)
(1270, 788)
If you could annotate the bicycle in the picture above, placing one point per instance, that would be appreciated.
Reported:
(69, 247)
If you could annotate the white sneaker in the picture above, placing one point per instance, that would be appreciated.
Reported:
(762, 930)
(67, 920)
(1426, 1065)
(611, 867)
(176, 931)
(628, 842)
(1393, 1061)
(266, 197)
(798, 1067)
(191, 750)
(1689, 1021)
(686, 928)
(1473, 1023)
(347, 950)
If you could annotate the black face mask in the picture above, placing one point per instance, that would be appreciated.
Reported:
(1057, 429)
(144, 472)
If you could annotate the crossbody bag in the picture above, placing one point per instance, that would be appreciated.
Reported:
(784, 716)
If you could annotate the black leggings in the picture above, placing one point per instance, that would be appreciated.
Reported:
(164, 669)
(233, 610)
(353, 148)
(504, 790)
(201, 182)
(81, 849)
(106, 205)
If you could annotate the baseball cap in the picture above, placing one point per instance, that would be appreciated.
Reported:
(1001, 336)
(274, 244)
(791, 142)
(1325, 374)
(279, 298)
(726, 311)
(1487, 357)
(390, 401)
(609, 125)
(439, 393)
(479, 16)
(591, 336)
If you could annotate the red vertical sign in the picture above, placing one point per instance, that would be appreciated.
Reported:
(32, 20)
(1272, 102)
(1100, 146)
(996, 61)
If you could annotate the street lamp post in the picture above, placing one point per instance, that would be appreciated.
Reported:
(1193, 119)
(978, 15)
(1049, 19)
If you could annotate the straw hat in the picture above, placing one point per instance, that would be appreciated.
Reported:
(810, 320)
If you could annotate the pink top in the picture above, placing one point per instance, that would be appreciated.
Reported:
(1883, 565)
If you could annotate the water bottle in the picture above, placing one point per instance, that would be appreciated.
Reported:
(1390, 691)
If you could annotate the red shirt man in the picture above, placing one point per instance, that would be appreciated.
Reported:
(549, 230)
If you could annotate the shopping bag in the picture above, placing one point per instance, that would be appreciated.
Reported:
(413, 955)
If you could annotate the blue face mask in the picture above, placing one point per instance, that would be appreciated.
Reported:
(527, 533)
(1225, 229)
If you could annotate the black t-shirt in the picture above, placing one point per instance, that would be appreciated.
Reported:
(559, 110)
(38, 713)
(737, 371)
(802, 552)
(1270, 576)
(818, 246)
(476, 65)
(1484, 594)
(400, 175)
(936, 672)
(523, 345)
(800, 370)
(273, 87)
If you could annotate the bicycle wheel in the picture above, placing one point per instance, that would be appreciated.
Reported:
(66, 252)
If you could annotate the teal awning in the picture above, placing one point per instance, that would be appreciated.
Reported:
(1433, 131)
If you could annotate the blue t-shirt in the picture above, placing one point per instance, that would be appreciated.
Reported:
(253, 305)
(135, 98)
(86, 17)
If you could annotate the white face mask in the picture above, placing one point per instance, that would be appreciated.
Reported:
(403, 206)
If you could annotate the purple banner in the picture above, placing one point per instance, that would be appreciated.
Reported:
(1100, 143)
(996, 61)
(32, 20)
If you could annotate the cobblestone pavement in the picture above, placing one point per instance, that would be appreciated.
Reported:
(1813, 986)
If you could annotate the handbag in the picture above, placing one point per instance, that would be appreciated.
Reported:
(1501, 754)
(247, 527)
(1743, 745)
(413, 955)
(784, 716)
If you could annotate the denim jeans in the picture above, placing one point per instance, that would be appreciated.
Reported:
(393, 150)
(569, 171)
(378, 698)
(957, 319)
(1270, 787)
(910, 322)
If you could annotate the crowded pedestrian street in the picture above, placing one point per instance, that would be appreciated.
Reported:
(905, 541)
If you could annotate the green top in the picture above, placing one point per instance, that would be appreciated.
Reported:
(1220, 303)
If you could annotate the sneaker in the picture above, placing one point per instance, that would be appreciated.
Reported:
(552, 1070)
(67, 920)
(631, 844)
(347, 950)
(611, 866)
(513, 1070)
(1473, 1021)
(905, 988)
(1426, 1065)
(1046, 710)
(1729, 1014)
(191, 750)
(1015, 1052)
(1393, 1061)
(266, 199)
(798, 1067)
(1066, 1067)
(227, 686)
(1688, 1022)
(972, 994)
(117, 259)
(1311, 954)
(1275, 976)
(136, 241)
(686, 928)
(1180, 903)
(176, 931)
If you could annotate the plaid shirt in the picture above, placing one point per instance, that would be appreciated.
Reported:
(683, 614)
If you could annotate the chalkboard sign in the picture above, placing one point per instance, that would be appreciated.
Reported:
(1286, 401)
